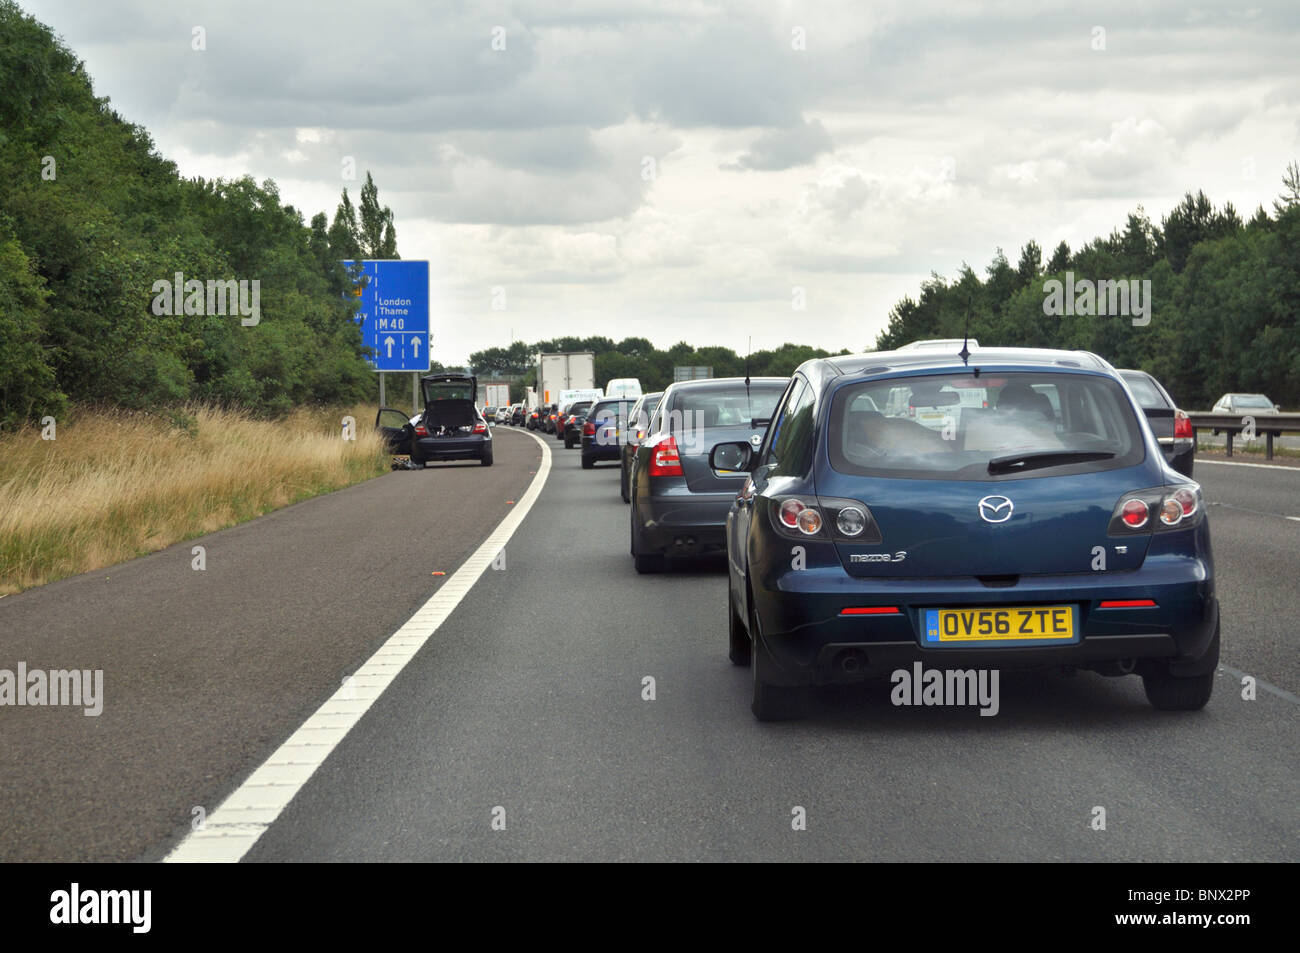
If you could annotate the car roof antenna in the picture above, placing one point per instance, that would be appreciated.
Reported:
(964, 353)
(749, 404)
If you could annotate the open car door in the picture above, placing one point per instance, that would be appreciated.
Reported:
(395, 428)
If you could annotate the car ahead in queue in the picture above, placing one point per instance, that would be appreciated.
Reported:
(518, 414)
(638, 424)
(602, 431)
(549, 414)
(1172, 427)
(679, 500)
(534, 419)
(451, 427)
(571, 422)
(864, 543)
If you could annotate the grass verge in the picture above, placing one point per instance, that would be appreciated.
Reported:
(114, 485)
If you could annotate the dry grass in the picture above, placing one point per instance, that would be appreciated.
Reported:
(116, 485)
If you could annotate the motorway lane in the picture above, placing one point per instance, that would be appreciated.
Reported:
(205, 673)
(529, 698)
(1257, 561)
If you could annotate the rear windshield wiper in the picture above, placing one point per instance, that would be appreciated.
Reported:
(1044, 458)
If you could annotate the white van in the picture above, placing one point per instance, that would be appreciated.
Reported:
(624, 387)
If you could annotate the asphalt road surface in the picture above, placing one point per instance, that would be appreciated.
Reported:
(522, 729)
(205, 673)
(528, 707)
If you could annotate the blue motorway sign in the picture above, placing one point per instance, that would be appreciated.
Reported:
(394, 314)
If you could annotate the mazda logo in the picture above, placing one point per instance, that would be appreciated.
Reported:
(996, 509)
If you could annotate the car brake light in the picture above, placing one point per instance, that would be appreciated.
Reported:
(664, 458)
(871, 610)
(1182, 426)
(480, 428)
(1134, 513)
(1174, 508)
(589, 429)
(1128, 604)
(420, 431)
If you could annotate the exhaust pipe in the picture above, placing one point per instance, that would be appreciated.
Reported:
(852, 662)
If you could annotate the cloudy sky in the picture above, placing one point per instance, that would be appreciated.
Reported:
(676, 169)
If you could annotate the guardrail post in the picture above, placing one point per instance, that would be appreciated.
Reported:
(1268, 439)
(1229, 433)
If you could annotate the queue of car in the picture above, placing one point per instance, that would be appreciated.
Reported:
(996, 507)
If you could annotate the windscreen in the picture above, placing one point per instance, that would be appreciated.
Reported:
(991, 427)
(727, 405)
(448, 390)
(1253, 400)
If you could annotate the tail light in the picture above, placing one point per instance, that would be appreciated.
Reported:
(664, 458)
(803, 517)
(421, 430)
(480, 428)
(1159, 508)
(589, 429)
(1182, 425)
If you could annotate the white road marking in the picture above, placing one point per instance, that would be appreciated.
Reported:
(1258, 466)
(235, 826)
(1260, 683)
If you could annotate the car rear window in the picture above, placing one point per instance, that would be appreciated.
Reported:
(609, 409)
(952, 426)
(1147, 394)
(1253, 400)
(727, 405)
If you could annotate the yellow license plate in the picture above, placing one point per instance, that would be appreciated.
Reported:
(1015, 624)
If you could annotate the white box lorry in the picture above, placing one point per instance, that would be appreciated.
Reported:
(572, 370)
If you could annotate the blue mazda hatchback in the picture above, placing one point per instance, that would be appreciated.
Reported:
(1010, 510)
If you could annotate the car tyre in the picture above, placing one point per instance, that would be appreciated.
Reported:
(739, 647)
(771, 702)
(622, 485)
(1169, 692)
(648, 563)
(486, 459)
(568, 443)
(588, 463)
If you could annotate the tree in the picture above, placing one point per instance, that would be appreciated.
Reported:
(1290, 196)
(344, 234)
(375, 234)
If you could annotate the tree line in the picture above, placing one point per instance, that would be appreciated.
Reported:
(91, 217)
(1224, 300)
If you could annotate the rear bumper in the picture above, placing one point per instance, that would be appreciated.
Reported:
(468, 447)
(685, 524)
(806, 639)
(600, 451)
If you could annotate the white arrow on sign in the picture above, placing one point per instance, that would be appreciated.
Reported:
(415, 343)
(389, 341)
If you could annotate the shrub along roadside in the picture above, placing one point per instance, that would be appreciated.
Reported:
(116, 484)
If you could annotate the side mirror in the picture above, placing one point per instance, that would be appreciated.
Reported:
(733, 457)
